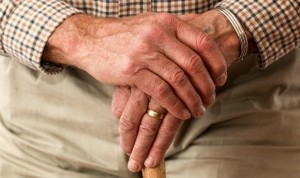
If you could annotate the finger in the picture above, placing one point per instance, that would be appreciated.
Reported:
(167, 131)
(206, 47)
(161, 92)
(192, 64)
(120, 98)
(177, 78)
(131, 118)
(147, 132)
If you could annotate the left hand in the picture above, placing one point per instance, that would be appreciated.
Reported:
(138, 131)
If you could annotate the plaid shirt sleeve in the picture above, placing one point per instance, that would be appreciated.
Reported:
(25, 26)
(275, 25)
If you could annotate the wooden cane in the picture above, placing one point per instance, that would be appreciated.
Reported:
(157, 172)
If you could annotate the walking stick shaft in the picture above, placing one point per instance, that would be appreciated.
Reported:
(157, 172)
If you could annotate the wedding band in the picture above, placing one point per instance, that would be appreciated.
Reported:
(155, 115)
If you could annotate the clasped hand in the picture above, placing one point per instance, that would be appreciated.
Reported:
(158, 61)
(198, 67)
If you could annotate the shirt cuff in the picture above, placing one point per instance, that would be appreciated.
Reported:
(273, 25)
(28, 28)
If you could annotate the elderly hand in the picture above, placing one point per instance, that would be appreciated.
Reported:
(141, 135)
(146, 138)
(169, 60)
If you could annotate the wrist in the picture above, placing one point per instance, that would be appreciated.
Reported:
(68, 42)
(217, 25)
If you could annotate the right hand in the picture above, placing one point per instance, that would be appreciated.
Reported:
(158, 53)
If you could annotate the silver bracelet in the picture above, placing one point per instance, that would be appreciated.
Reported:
(239, 31)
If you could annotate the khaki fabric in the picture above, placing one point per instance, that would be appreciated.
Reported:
(252, 131)
(62, 126)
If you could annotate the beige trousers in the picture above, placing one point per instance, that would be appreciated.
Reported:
(61, 126)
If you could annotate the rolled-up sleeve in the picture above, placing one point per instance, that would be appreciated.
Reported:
(274, 24)
(26, 25)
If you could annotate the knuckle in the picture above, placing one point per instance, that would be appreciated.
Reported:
(178, 78)
(130, 67)
(205, 42)
(154, 56)
(193, 64)
(161, 89)
(127, 124)
(169, 131)
(139, 98)
(159, 150)
(140, 45)
(147, 130)
(152, 31)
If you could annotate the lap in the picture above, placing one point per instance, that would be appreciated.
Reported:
(252, 130)
(63, 126)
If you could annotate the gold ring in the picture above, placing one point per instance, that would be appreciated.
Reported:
(155, 115)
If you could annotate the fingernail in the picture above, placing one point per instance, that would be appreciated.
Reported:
(149, 162)
(133, 166)
(211, 101)
(222, 79)
(186, 114)
(200, 112)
